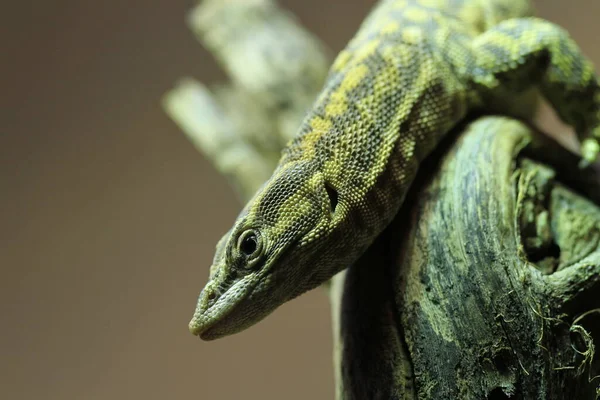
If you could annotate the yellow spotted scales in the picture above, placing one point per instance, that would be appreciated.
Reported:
(412, 72)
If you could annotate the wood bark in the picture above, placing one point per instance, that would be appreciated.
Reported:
(487, 284)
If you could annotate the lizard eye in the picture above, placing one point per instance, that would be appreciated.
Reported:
(250, 244)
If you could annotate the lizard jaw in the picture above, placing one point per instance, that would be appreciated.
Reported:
(213, 308)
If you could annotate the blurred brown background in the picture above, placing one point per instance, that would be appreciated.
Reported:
(109, 216)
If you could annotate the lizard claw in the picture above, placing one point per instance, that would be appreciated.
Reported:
(589, 152)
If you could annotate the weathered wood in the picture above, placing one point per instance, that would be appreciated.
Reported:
(476, 311)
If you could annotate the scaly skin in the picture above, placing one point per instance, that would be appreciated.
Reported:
(413, 71)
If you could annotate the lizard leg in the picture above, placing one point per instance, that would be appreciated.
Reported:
(520, 53)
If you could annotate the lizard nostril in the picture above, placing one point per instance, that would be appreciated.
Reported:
(211, 296)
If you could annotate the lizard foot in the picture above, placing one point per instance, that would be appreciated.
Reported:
(590, 147)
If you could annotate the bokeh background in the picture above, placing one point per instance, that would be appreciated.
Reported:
(109, 216)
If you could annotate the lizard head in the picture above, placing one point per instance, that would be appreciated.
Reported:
(272, 253)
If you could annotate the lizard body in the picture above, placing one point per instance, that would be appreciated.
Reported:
(412, 72)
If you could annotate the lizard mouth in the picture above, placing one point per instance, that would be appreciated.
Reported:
(221, 313)
(213, 308)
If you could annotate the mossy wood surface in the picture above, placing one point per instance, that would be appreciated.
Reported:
(488, 283)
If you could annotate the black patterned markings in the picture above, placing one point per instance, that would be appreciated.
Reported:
(287, 181)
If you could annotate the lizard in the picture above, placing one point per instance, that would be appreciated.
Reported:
(414, 70)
